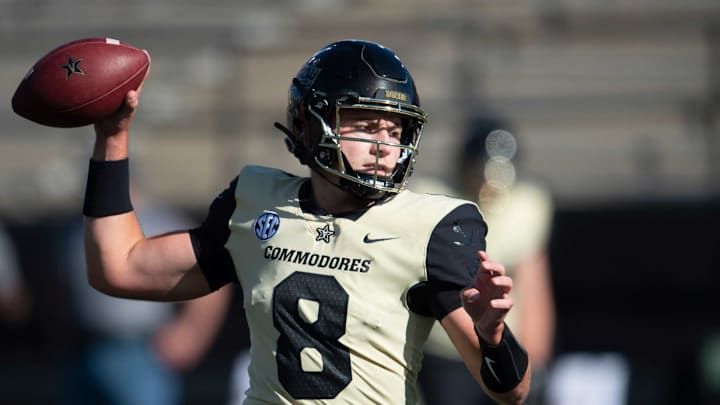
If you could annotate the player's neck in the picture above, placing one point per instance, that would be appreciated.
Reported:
(332, 199)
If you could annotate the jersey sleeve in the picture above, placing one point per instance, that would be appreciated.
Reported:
(452, 258)
(209, 240)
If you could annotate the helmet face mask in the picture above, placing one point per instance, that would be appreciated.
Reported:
(331, 157)
(356, 75)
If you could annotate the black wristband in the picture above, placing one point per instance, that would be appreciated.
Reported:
(504, 365)
(108, 189)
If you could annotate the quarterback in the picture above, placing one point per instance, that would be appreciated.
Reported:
(343, 272)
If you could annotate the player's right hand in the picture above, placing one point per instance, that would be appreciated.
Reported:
(119, 121)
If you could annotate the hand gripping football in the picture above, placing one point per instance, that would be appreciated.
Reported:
(80, 82)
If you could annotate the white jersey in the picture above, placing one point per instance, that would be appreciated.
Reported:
(327, 298)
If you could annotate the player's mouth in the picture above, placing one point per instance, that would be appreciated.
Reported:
(370, 169)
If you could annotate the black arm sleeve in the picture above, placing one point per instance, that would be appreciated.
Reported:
(452, 261)
(210, 238)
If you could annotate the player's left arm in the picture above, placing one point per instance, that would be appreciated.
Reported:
(470, 297)
(493, 355)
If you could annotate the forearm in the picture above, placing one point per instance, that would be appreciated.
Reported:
(111, 228)
(461, 331)
(113, 235)
(505, 368)
(113, 147)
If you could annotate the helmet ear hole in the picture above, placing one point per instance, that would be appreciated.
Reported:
(326, 157)
(320, 104)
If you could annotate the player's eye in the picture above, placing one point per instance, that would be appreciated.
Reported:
(361, 127)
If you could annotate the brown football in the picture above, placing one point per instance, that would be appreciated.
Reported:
(81, 82)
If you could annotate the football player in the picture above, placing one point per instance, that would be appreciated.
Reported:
(343, 272)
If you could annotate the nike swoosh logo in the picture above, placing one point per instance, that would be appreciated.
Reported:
(489, 363)
(368, 239)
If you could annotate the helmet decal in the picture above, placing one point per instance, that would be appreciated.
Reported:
(394, 94)
(308, 74)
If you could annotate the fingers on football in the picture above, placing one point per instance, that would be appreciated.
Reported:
(132, 99)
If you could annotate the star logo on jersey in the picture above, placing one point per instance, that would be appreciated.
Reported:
(72, 67)
(324, 233)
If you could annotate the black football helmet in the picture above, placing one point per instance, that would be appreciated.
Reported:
(352, 74)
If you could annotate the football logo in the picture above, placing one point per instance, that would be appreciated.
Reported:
(72, 67)
(267, 224)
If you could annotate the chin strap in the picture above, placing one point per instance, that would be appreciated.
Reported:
(293, 146)
(360, 190)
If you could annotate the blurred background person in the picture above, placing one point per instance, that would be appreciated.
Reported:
(14, 298)
(239, 378)
(519, 217)
(133, 352)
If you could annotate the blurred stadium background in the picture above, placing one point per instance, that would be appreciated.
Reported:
(616, 102)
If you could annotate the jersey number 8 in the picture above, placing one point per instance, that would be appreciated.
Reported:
(303, 336)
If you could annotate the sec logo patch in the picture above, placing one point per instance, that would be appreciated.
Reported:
(267, 224)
